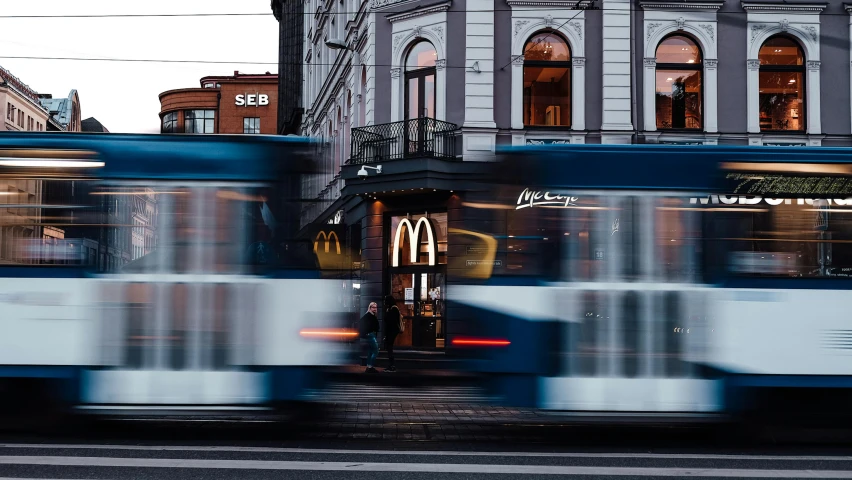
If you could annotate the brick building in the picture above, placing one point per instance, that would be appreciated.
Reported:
(241, 103)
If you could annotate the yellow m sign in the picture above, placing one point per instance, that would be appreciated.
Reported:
(327, 238)
(414, 241)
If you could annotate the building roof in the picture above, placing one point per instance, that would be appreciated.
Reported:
(238, 77)
(18, 85)
(60, 109)
(92, 124)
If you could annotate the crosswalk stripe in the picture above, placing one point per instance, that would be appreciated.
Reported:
(418, 467)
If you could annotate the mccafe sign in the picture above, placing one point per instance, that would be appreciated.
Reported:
(252, 100)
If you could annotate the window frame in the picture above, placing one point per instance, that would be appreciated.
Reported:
(164, 120)
(698, 67)
(802, 69)
(569, 64)
(420, 75)
(188, 118)
(246, 124)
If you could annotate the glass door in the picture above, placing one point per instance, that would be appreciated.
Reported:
(419, 105)
(420, 299)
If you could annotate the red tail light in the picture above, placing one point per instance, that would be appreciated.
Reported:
(333, 334)
(480, 342)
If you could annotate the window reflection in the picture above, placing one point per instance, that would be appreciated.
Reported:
(199, 121)
(170, 122)
(678, 83)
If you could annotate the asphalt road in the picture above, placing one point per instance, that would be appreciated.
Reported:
(411, 440)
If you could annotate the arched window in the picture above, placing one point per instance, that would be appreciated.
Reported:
(547, 81)
(420, 81)
(782, 78)
(362, 108)
(678, 94)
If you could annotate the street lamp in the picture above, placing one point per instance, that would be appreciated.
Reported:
(337, 44)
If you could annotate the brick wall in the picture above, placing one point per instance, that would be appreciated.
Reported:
(231, 120)
(229, 116)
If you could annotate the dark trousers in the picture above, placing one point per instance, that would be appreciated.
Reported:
(389, 339)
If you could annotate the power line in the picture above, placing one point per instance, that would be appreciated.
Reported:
(388, 12)
(219, 62)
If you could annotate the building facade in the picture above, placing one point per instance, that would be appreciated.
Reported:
(237, 104)
(429, 89)
(22, 109)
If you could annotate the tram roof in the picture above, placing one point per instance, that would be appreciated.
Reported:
(658, 167)
(167, 157)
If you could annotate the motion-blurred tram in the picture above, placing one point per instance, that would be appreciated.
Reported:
(662, 281)
(159, 273)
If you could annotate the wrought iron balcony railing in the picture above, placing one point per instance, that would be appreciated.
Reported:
(418, 137)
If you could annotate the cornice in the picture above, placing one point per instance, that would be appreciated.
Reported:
(680, 6)
(784, 7)
(427, 10)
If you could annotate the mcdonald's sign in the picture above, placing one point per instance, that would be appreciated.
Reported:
(328, 250)
(414, 241)
(326, 238)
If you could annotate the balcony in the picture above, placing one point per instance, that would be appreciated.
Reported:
(415, 138)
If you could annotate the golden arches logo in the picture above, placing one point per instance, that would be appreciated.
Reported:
(327, 239)
(414, 241)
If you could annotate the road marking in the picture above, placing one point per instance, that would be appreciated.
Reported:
(213, 448)
(416, 467)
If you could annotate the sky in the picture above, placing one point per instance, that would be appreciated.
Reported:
(124, 96)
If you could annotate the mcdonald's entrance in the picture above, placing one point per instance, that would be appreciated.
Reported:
(416, 272)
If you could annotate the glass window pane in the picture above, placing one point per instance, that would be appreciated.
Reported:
(547, 96)
(413, 97)
(547, 46)
(781, 101)
(678, 49)
(781, 51)
(422, 55)
(429, 94)
(678, 99)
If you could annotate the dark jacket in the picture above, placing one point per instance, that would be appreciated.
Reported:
(368, 324)
(392, 317)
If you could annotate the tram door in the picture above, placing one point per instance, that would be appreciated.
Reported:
(177, 321)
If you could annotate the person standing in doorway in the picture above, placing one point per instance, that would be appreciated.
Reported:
(368, 328)
(393, 327)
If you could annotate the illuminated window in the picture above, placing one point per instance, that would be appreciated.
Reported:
(679, 84)
(781, 85)
(547, 81)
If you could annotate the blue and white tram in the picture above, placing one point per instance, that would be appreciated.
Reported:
(664, 280)
(159, 271)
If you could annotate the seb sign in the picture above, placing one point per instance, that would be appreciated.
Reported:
(252, 100)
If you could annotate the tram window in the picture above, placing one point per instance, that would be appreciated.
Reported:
(528, 239)
(796, 238)
(593, 233)
(678, 245)
(176, 342)
(631, 334)
(219, 328)
(46, 222)
(626, 228)
(586, 334)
